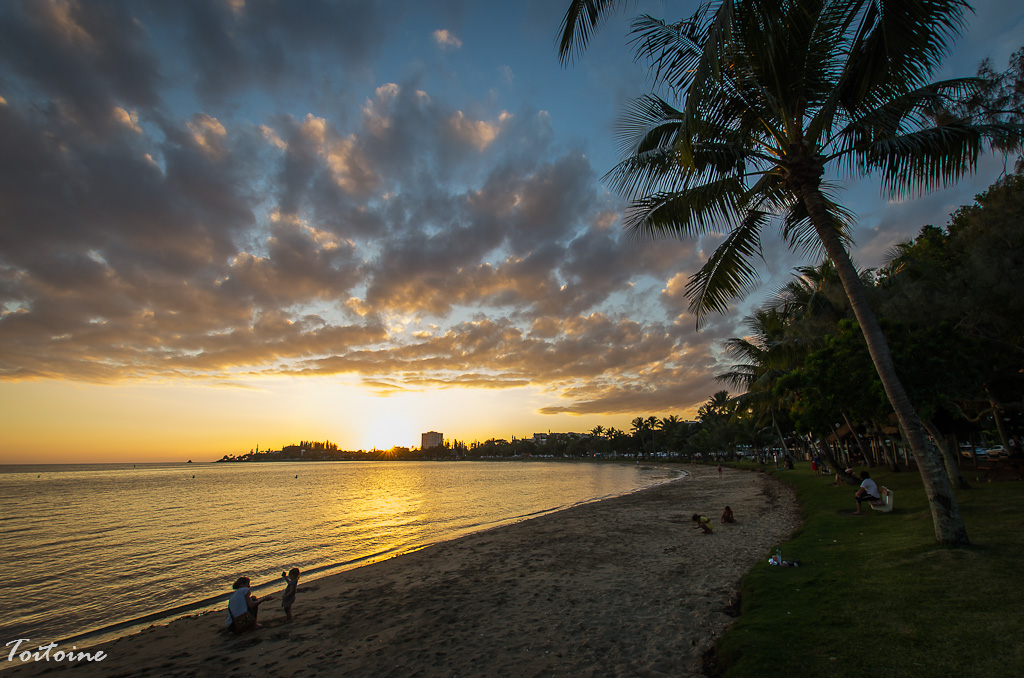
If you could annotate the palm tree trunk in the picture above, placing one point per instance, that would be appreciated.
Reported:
(949, 524)
(952, 463)
(889, 457)
(782, 438)
(997, 414)
(857, 439)
(826, 450)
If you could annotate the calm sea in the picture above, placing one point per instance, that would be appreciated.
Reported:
(91, 552)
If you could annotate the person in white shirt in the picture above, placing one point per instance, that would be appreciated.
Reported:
(868, 491)
(243, 607)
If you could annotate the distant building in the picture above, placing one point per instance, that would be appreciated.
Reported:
(431, 439)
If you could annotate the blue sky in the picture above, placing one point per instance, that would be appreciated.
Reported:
(229, 221)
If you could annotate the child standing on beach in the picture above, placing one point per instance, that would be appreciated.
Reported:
(703, 522)
(292, 577)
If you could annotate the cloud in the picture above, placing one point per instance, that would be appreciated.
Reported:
(477, 133)
(212, 191)
(230, 48)
(83, 59)
(207, 133)
(129, 119)
(446, 40)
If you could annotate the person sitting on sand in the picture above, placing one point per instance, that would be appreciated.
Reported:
(868, 491)
(703, 522)
(292, 577)
(243, 607)
(727, 516)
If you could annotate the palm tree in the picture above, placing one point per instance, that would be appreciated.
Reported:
(767, 354)
(714, 434)
(638, 426)
(773, 92)
(653, 424)
(718, 406)
(641, 427)
(816, 301)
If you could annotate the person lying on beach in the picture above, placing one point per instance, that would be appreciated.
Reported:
(727, 516)
(292, 578)
(703, 522)
(243, 607)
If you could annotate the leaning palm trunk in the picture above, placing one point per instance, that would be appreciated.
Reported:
(948, 455)
(997, 415)
(868, 457)
(889, 457)
(778, 431)
(949, 525)
(826, 450)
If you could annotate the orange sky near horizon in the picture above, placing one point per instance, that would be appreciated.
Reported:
(67, 422)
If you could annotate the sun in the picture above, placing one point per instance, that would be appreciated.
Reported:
(387, 430)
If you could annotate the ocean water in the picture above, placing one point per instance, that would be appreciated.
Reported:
(92, 552)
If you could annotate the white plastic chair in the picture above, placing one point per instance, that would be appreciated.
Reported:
(884, 504)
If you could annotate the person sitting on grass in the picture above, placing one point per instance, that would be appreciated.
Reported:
(868, 491)
(727, 516)
(703, 522)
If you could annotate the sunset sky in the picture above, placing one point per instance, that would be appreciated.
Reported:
(226, 223)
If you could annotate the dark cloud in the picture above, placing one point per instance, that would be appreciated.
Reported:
(232, 46)
(81, 58)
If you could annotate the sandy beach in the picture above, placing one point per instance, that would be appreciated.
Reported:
(621, 587)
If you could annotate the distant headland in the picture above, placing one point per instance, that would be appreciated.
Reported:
(551, 445)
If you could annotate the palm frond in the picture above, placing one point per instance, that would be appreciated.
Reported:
(686, 213)
(582, 19)
(728, 272)
(672, 50)
(897, 45)
(932, 158)
(737, 378)
(708, 76)
(661, 170)
(917, 109)
(895, 257)
(648, 122)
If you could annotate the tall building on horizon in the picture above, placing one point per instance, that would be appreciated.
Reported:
(431, 439)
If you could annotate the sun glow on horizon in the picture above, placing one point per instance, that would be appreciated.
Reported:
(72, 422)
(388, 429)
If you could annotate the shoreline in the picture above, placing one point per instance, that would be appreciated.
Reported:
(129, 627)
(620, 585)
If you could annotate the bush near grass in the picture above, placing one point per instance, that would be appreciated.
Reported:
(875, 595)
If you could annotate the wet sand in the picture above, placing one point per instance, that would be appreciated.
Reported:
(621, 587)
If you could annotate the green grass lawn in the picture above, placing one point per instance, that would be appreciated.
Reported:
(876, 596)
